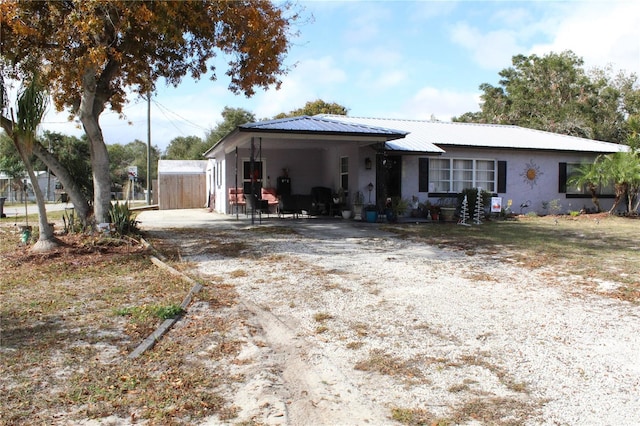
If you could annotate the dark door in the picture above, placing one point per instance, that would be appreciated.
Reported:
(389, 177)
(394, 176)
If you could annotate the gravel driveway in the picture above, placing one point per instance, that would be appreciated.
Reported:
(346, 324)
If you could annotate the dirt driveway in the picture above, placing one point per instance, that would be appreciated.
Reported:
(345, 324)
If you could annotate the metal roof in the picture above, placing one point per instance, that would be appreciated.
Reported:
(182, 166)
(320, 124)
(435, 136)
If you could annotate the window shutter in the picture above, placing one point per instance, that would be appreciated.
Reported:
(502, 177)
(562, 178)
(423, 175)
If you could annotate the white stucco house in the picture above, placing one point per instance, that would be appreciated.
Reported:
(429, 160)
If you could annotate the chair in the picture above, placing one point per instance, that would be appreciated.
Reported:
(236, 198)
(269, 194)
(304, 204)
(256, 205)
(287, 204)
(323, 199)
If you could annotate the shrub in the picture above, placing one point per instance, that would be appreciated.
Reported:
(123, 219)
(472, 197)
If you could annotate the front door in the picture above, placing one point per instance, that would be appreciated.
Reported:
(394, 176)
(389, 177)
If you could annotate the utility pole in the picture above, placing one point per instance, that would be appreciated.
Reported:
(149, 148)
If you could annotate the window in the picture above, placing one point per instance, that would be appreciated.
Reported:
(344, 173)
(248, 179)
(455, 175)
(439, 175)
(570, 169)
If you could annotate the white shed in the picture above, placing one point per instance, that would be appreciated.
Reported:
(181, 184)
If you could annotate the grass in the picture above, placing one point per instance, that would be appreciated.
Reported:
(383, 363)
(596, 247)
(70, 317)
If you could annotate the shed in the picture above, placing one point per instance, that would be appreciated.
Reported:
(181, 184)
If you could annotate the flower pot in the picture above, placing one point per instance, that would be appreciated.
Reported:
(391, 216)
(371, 216)
(346, 214)
(448, 213)
(357, 212)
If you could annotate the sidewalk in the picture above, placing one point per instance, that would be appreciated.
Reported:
(16, 211)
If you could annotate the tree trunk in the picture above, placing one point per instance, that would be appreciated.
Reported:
(80, 202)
(46, 240)
(620, 189)
(594, 197)
(89, 111)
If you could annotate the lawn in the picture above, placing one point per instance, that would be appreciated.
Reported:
(600, 247)
(70, 318)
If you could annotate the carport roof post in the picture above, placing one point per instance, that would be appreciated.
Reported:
(310, 130)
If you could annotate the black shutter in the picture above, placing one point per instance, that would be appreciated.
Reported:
(562, 178)
(502, 177)
(423, 175)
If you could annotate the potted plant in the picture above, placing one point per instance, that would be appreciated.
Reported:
(434, 211)
(447, 209)
(371, 213)
(395, 207)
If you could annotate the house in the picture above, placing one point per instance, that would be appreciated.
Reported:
(311, 151)
(181, 184)
(428, 160)
(12, 189)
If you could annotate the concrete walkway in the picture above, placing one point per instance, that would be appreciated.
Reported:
(320, 226)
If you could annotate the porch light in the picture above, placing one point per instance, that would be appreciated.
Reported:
(370, 188)
(367, 163)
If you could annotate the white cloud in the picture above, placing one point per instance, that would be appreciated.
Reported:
(601, 33)
(310, 80)
(389, 79)
(365, 26)
(442, 104)
(490, 50)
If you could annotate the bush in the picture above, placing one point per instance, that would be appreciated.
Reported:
(472, 197)
(123, 219)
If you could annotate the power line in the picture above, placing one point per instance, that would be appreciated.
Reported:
(164, 108)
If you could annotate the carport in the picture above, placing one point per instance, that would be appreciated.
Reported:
(313, 151)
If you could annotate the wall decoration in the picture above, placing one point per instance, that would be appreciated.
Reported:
(531, 173)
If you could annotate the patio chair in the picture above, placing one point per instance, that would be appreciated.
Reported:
(269, 194)
(322, 199)
(256, 205)
(236, 199)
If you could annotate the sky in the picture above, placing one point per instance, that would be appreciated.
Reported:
(391, 59)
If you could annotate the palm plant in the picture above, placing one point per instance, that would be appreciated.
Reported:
(624, 170)
(31, 106)
(590, 175)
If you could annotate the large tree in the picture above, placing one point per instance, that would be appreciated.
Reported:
(316, 107)
(231, 118)
(554, 93)
(186, 148)
(93, 53)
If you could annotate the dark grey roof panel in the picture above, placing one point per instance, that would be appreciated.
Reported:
(306, 124)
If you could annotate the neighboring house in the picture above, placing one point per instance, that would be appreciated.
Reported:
(181, 184)
(11, 188)
(429, 160)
